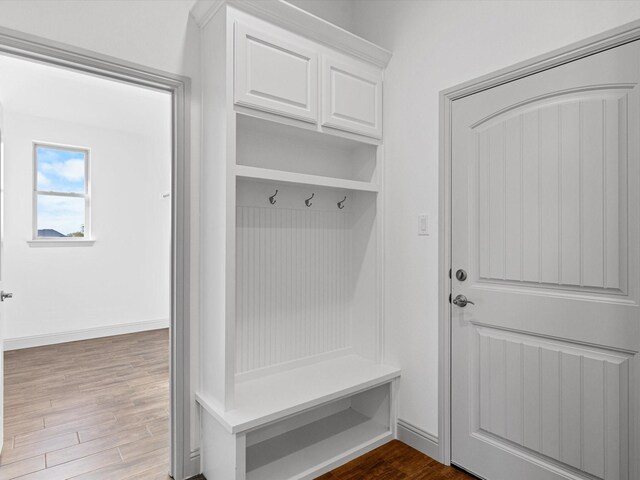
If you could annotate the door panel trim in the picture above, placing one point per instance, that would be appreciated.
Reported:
(561, 96)
(610, 39)
(533, 457)
(594, 352)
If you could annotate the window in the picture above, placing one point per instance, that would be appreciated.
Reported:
(61, 192)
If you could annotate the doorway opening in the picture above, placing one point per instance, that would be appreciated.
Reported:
(126, 323)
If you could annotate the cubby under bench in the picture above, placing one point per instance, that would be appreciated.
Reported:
(300, 423)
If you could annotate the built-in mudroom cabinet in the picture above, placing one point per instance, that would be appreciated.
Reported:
(293, 380)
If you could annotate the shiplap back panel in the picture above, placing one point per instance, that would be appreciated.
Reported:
(293, 275)
(552, 194)
(566, 402)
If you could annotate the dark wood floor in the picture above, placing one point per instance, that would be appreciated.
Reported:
(395, 461)
(94, 409)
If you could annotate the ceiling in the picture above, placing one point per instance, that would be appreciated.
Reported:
(41, 90)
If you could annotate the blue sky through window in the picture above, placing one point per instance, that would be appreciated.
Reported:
(61, 171)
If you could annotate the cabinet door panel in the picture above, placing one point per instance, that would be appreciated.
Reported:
(275, 76)
(352, 98)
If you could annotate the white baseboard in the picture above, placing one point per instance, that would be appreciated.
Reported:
(84, 334)
(419, 439)
(192, 468)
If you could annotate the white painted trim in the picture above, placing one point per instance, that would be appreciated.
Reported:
(204, 10)
(213, 408)
(195, 454)
(245, 171)
(298, 21)
(61, 243)
(612, 38)
(17, 343)
(444, 284)
(592, 45)
(419, 439)
(192, 465)
(363, 375)
(272, 117)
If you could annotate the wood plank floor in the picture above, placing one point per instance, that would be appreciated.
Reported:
(93, 409)
(395, 461)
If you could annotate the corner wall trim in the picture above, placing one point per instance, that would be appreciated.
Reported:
(419, 439)
(83, 334)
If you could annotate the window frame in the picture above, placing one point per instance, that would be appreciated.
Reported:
(87, 238)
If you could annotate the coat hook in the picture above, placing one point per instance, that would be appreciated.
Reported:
(341, 203)
(307, 202)
(272, 198)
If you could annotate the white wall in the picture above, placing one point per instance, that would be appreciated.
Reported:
(124, 278)
(436, 45)
(338, 12)
(150, 33)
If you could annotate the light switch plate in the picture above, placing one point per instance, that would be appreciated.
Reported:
(423, 224)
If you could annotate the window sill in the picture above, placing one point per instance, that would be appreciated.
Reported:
(61, 243)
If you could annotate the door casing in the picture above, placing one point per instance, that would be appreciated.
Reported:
(598, 43)
(31, 47)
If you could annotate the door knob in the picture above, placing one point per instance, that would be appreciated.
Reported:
(461, 301)
(4, 296)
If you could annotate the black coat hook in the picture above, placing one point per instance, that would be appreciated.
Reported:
(272, 198)
(341, 203)
(307, 202)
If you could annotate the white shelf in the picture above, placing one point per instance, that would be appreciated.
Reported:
(244, 171)
(273, 397)
(314, 448)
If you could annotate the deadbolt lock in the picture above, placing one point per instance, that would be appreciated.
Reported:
(461, 275)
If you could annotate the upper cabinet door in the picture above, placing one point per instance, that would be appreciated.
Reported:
(274, 75)
(352, 97)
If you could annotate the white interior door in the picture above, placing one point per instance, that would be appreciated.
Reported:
(545, 205)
